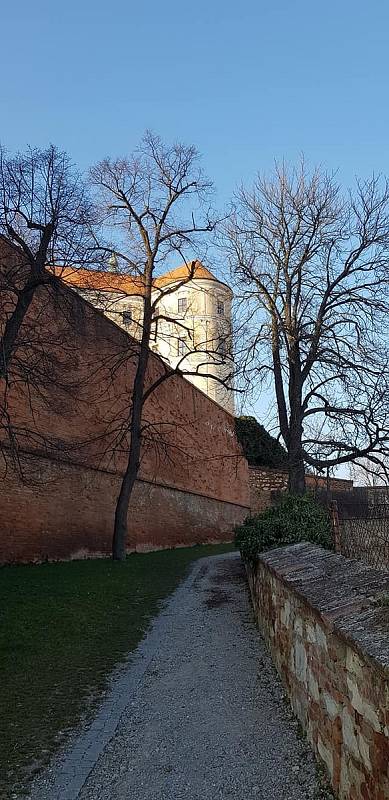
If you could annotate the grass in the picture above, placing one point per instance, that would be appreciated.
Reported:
(64, 627)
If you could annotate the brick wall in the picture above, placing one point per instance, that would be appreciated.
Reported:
(69, 443)
(335, 485)
(70, 514)
(263, 481)
(328, 631)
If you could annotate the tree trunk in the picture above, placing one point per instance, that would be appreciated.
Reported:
(296, 467)
(12, 328)
(123, 501)
(131, 473)
(35, 277)
(296, 479)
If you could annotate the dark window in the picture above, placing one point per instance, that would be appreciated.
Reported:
(182, 305)
(127, 317)
(182, 347)
(220, 308)
(222, 347)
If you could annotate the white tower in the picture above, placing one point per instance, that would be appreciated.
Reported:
(199, 338)
(196, 333)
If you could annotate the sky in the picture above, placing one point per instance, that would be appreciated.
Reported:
(246, 82)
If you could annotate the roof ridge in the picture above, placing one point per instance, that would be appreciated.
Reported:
(100, 280)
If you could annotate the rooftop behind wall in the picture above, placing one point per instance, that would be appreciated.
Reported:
(326, 620)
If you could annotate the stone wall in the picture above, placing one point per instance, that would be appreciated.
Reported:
(264, 481)
(326, 621)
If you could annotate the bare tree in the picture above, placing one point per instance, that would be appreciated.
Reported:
(45, 221)
(312, 265)
(157, 205)
(370, 473)
(46, 216)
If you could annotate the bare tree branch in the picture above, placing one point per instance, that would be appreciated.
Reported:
(312, 266)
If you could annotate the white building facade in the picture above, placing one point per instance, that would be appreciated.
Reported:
(192, 328)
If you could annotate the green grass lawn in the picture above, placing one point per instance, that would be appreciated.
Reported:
(63, 629)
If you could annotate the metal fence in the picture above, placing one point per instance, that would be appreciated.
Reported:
(361, 531)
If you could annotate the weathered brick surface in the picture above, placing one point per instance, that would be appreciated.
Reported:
(68, 429)
(71, 514)
(327, 626)
(263, 481)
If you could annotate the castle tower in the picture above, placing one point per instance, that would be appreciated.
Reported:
(196, 333)
(200, 337)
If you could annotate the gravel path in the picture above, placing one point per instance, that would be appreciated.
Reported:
(198, 714)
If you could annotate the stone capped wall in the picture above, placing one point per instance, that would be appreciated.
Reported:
(326, 621)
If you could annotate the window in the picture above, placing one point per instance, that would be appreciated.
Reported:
(220, 308)
(182, 347)
(182, 305)
(222, 347)
(127, 317)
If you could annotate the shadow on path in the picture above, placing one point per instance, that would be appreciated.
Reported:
(197, 714)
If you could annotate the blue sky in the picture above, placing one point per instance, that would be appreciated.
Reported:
(245, 82)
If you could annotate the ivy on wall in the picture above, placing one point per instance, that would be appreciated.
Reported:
(260, 449)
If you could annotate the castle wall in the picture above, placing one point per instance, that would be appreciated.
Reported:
(66, 511)
(115, 304)
(71, 448)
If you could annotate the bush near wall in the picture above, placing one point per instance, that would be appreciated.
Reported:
(294, 519)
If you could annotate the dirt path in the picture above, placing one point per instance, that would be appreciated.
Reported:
(198, 714)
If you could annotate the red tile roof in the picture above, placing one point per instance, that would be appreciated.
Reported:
(127, 284)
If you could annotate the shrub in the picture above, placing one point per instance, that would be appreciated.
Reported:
(294, 519)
